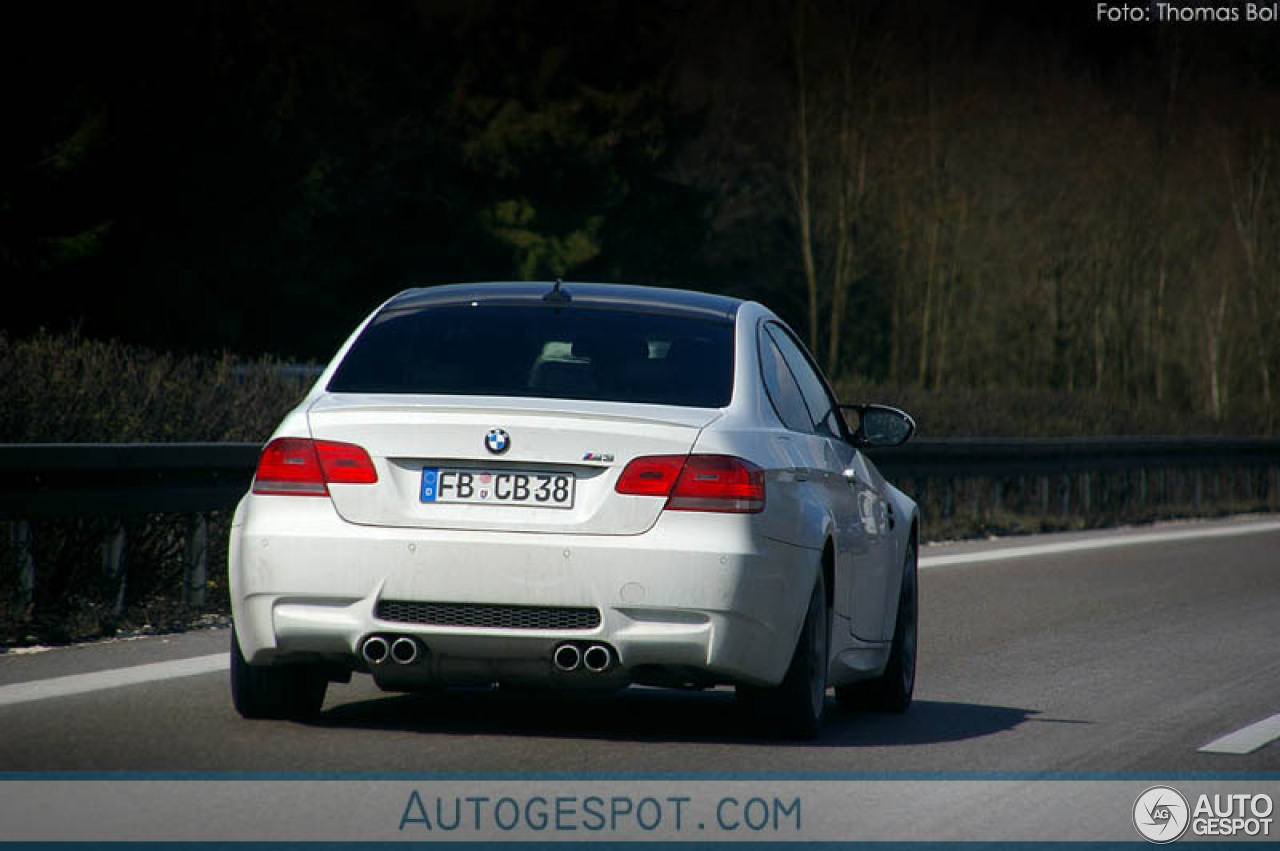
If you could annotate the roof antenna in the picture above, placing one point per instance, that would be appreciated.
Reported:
(558, 295)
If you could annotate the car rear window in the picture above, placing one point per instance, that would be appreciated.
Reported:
(576, 352)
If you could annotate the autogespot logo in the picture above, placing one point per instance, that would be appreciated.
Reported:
(1160, 814)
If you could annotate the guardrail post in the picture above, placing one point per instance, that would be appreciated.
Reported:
(1084, 494)
(196, 574)
(20, 549)
(113, 564)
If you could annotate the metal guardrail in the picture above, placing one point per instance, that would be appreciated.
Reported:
(1029, 456)
(972, 485)
(44, 480)
(960, 485)
(41, 481)
(58, 479)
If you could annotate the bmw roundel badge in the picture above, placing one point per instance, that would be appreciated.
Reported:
(497, 441)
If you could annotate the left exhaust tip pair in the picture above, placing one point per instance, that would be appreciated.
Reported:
(401, 650)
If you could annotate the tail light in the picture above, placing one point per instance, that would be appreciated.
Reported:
(720, 483)
(650, 475)
(295, 466)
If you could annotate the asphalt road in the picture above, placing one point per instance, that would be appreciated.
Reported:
(1126, 658)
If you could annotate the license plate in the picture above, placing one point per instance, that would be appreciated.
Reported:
(483, 487)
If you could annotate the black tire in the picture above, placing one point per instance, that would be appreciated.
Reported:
(892, 690)
(291, 692)
(793, 708)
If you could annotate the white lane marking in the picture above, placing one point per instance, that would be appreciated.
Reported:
(1097, 544)
(1248, 739)
(99, 680)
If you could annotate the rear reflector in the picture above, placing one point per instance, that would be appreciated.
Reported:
(295, 466)
(720, 483)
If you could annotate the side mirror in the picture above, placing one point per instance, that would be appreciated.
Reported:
(880, 426)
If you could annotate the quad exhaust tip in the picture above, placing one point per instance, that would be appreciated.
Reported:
(404, 650)
(567, 657)
(375, 650)
(598, 658)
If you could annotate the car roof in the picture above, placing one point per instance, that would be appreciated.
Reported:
(616, 296)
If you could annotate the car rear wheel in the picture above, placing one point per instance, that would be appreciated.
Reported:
(793, 708)
(293, 692)
(892, 690)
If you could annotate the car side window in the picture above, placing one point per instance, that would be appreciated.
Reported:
(826, 417)
(781, 387)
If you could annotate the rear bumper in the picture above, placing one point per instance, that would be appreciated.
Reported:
(698, 592)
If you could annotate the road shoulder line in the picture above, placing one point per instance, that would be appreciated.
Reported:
(1097, 544)
(1247, 739)
(114, 678)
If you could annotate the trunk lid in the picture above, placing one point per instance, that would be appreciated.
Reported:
(550, 443)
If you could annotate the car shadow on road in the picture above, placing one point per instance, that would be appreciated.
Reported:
(659, 715)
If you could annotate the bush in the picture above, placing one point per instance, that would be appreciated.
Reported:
(68, 389)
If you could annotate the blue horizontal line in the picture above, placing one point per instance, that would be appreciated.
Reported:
(616, 845)
(347, 776)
